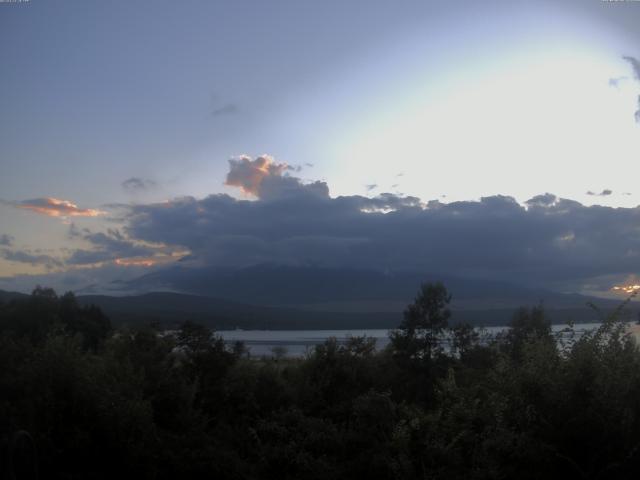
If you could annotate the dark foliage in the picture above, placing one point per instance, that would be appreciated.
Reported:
(80, 400)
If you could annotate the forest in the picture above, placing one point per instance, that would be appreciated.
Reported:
(81, 398)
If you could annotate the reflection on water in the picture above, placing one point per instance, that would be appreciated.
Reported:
(298, 342)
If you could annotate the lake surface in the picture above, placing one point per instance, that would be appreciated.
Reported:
(297, 343)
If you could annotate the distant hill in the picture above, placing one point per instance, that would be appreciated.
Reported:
(275, 297)
(169, 309)
(271, 296)
(353, 290)
(8, 296)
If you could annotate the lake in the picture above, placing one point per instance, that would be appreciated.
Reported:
(298, 342)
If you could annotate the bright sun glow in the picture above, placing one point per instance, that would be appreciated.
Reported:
(626, 288)
(523, 126)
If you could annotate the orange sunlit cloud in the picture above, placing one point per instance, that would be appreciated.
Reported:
(158, 259)
(135, 262)
(54, 207)
(248, 174)
(626, 288)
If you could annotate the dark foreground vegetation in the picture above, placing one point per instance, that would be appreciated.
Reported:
(92, 402)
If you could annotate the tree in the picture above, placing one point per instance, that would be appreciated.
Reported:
(196, 339)
(206, 363)
(464, 338)
(424, 321)
(527, 326)
(88, 321)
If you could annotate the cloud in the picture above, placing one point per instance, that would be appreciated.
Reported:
(265, 179)
(6, 240)
(137, 184)
(635, 65)
(30, 258)
(54, 207)
(615, 82)
(109, 246)
(371, 187)
(249, 174)
(604, 193)
(103, 279)
(545, 200)
(228, 109)
(74, 231)
(548, 239)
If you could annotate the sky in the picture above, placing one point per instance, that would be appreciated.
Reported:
(492, 139)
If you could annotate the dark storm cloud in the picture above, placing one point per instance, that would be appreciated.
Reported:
(137, 184)
(107, 246)
(6, 240)
(604, 193)
(547, 239)
(21, 256)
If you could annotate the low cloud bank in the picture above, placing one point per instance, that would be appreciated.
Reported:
(280, 219)
(548, 239)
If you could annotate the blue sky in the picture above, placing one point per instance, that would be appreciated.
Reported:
(441, 101)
